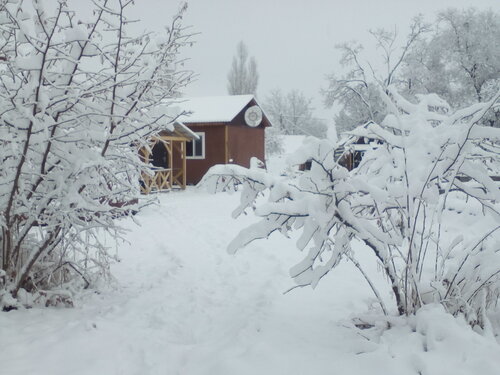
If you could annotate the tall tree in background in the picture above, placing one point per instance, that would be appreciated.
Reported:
(243, 76)
(461, 61)
(458, 58)
(76, 100)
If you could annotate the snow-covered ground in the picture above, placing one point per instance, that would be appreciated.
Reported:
(181, 305)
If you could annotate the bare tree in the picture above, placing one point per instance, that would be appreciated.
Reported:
(456, 58)
(243, 76)
(357, 90)
(293, 114)
(460, 61)
(76, 100)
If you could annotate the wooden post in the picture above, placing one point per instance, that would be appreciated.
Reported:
(184, 167)
(171, 163)
(226, 144)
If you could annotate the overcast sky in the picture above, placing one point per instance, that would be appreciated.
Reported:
(293, 41)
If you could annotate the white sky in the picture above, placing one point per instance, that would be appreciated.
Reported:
(293, 41)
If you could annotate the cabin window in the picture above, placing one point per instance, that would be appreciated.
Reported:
(195, 149)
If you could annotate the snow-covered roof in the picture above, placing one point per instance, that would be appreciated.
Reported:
(180, 128)
(212, 108)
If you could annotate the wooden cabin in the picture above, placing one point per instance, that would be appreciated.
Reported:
(166, 153)
(350, 149)
(350, 154)
(230, 129)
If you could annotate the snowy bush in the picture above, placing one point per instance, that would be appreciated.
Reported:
(76, 98)
(422, 200)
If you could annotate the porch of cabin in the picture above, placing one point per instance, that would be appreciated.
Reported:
(167, 157)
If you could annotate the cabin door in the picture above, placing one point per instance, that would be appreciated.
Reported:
(159, 156)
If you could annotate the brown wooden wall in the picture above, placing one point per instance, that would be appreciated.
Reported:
(245, 142)
(214, 151)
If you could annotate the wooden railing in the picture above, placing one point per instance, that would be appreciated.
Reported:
(162, 180)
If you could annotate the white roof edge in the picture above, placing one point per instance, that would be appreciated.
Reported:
(186, 129)
(265, 115)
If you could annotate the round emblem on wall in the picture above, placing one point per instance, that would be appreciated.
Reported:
(253, 116)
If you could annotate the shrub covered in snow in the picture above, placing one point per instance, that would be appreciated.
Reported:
(75, 96)
(422, 200)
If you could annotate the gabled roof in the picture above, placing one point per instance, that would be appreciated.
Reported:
(212, 108)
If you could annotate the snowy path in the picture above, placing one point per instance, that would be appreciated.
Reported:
(181, 305)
